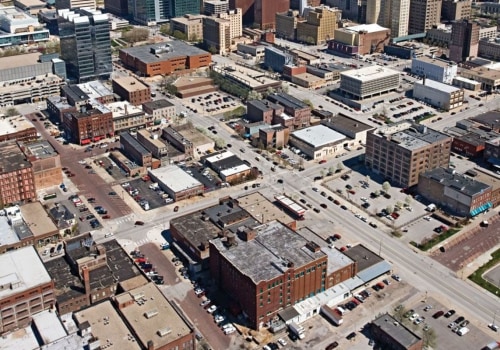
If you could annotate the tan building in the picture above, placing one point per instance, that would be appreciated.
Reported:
(132, 90)
(424, 14)
(308, 81)
(46, 164)
(321, 23)
(359, 40)
(235, 17)
(153, 143)
(41, 226)
(126, 116)
(403, 150)
(455, 10)
(286, 24)
(489, 78)
(190, 25)
(489, 49)
(275, 136)
(399, 17)
(220, 31)
(159, 109)
(16, 128)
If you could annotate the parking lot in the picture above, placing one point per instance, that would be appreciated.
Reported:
(205, 175)
(211, 103)
(145, 192)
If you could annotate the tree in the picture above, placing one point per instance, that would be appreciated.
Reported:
(340, 166)
(260, 145)
(12, 112)
(367, 178)
(309, 103)
(389, 209)
(254, 95)
(377, 193)
(399, 204)
(212, 49)
(429, 338)
(386, 186)
(399, 314)
(408, 200)
(331, 170)
(220, 143)
(270, 91)
(165, 29)
(284, 88)
(136, 35)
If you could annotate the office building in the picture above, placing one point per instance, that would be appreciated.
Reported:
(355, 10)
(368, 81)
(151, 12)
(464, 43)
(176, 182)
(267, 268)
(377, 11)
(439, 95)
(276, 59)
(117, 7)
(219, 31)
(275, 136)
(46, 163)
(264, 12)
(167, 58)
(403, 150)
(19, 28)
(391, 334)
(26, 288)
(434, 68)
(424, 14)
(456, 193)
(85, 44)
(127, 117)
(17, 182)
(215, 7)
(189, 25)
(153, 143)
(160, 109)
(90, 124)
(286, 24)
(17, 128)
(359, 40)
(180, 8)
(318, 142)
(320, 25)
(75, 4)
(489, 78)
(399, 17)
(456, 10)
(132, 90)
(135, 151)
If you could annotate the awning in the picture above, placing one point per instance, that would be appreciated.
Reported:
(494, 161)
(85, 141)
(482, 208)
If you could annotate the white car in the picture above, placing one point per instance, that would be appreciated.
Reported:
(228, 331)
(212, 309)
(125, 184)
(199, 291)
(205, 302)
(427, 218)
(219, 318)
(82, 162)
(414, 317)
(282, 342)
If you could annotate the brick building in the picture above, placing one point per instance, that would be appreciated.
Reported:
(363, 39)
(17, 181)
(275, 136)
(132, 90)
(26, 288)
(391, 334)
(17, 128)
(135, 150)
(266, 269)
(401, 151)
(46, 163)
(455, 193)
(167, 58)
(293, 107)
(90, 124)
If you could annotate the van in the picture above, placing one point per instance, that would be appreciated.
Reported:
(341, 310)
(463, 331)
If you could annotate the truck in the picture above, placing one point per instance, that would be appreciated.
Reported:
(332, 315)
(297, 330)
(463, 331)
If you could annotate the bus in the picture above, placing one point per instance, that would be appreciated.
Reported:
(49, 196)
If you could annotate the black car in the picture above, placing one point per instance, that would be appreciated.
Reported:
(349, 187)
(365, 205)
(449, 313)
(280, 181)
(316, 210)
(323, 205)
(323, 194)
(351, 335)
(332, 346)
(459, 320)
(343, 207)
(273, 346)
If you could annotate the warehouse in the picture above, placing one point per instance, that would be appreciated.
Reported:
(176, 182)
(318, 142)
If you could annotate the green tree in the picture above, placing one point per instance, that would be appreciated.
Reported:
(212, 49)
(254, 95)
(429, 338)
(284, 88)
(309, 103)
(322, 173)
(408, 200)
(389, 209)
(12, 112)
(386, 186)
(340, 166)
(179, 35)
(331, 169)
(165, 29)
(399, 313)
(136, 35)
(220, 143)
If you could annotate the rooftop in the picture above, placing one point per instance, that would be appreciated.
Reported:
(437, 85)
(364, 257)
(158, 104)
(249, 77)
(36, 218)
(75, 93)
(25, 271)
(458, 182)
(12, 158)
(130, 84)
(23, 60)
(369, 73)
(188, 18)
(287, 100)
(235, 170)
(14, 124)
(336, 259)
(264, 105)
(490, 119)
(369, 28)
(125, 109)
(152, 317)
(48, 326)
(223, 160)
(396, 331)
(175, 178)
(343, 122)
(163, 51)
(38, 150)
(435, 61)
(483, 72)
(273, 250)
(132, 141)
(195, 137)
(107, 325)
(152, 138)
(318, 136)
(95, 89)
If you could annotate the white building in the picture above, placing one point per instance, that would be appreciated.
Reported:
(177, 183)
(318, 142)
(368, 81)
(437, 94)
(434, 68)
(400, 14)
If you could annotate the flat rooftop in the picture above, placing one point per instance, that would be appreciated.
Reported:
(186, 82)
(485, 73)
(369, 73)
(336, 259)
(130, 84)
(175, 178)
(95, 89)
(38, 221)
(370, 28)
(124, 109)
(48, 326)
(364, 257)
(152, 317)
(490, 119)
(39, 150)
(247, 76)
(12, 158)
(107, 325)
(132, 141)
(396, 330)
(150, 136)
(438, 86)
(263, 210)
(343, 122)
(287, 100)
(458, 182)
(195, 137)
(14, 124)
(158, 104)
(435, 61)
(308, 77)
(268, 255)
(23, 60)
(318, 136)
(164, 51)
(25, 271)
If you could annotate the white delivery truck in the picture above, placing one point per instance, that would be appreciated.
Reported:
(331, 314)
(463, 331)
(297, 330)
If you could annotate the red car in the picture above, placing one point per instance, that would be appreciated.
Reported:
(322, 161)
(106, 217)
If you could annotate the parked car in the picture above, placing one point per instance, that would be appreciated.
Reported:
(438, 314)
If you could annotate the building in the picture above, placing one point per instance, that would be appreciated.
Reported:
(309, 81)
(151, 13)
(36, 228)
(492, 181)
(26, 288)
(392, 334)
(117, 7)
(439, 95)
(359, 40)
(318, 142)
(215, 7)
(492, 152)
(93, 321)
(135, 150)
(434, 68)
(17, 128)
(94, 91)
(45, 162)
(127, 117)
(152, 142)
(160, 109)
(401, 151)
(400, 17)
(253, 79)
(424, 14)
(264, 12)
(132, 90)
(456, 193)
(92, 123)
(75, 4)
(254, 49)
(275, 136)
(470, 137)
(368, 82)
(263, 111)
(190, 25)
(286, 24)
(188, 140)
(162, 324)
(17, 181)
(217, 34)
(229, 167)
(167, 58)
(176, 182)
(267, 268)
(19, 28)
(179, 8)
(355, 130)
(355, 10)
(489, 78)
(466, 84)
(464, 43)
(439, 36)
(299, 111)
(31, 7)
(85, 44)
(276, 59)
(489, 48)
(193, 86)
(456, 10)
(320, 25)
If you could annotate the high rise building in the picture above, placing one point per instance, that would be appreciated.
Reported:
(150, 12)
(117, 7)
(183, 7)
(399, 17)
(247, 8)
(354, 10)
(286, 24)
(75, 4)
(265, 11)
(320, 24)
(297, 4)
(214, 7)
(424, 14)
(85, 44)
(218, 31)
(454, 10)
(464, 40)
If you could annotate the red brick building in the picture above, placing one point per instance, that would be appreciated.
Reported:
(132, 90)
(17, 128)
(267, 269)
(265, 12)
(91, 124)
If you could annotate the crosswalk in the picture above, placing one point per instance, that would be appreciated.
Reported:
(124, 219)
(142, 241)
